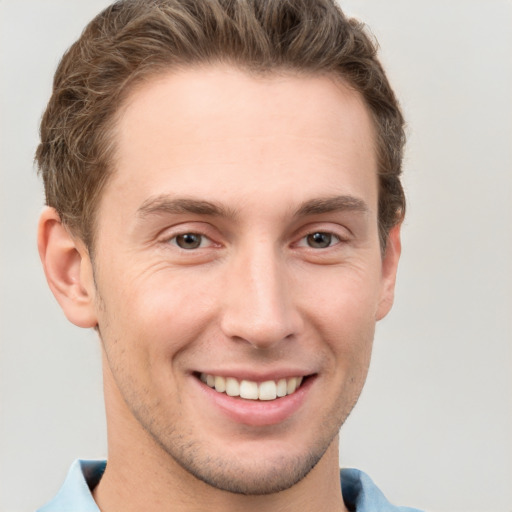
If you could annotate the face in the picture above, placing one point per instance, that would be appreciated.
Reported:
(238, 272)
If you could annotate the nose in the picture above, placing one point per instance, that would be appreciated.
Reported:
(259, 307)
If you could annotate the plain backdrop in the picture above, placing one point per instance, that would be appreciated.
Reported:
(434, 424)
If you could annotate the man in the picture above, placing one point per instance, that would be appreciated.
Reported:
(224, 208)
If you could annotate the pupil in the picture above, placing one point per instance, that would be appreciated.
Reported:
(189, 241)
(319, 240)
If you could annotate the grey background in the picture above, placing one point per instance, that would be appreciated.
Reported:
(434, 424)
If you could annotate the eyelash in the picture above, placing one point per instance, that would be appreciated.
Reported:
(303, 242)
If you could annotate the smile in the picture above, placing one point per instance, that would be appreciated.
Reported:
(251, 390)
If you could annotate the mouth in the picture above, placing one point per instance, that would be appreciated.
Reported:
(251, 390)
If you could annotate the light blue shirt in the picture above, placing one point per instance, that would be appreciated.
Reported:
(359, 492)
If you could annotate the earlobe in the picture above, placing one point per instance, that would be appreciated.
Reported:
(389, 270)
(68, 269)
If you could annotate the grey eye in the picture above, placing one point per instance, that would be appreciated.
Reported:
(319, 240)
(189, 240)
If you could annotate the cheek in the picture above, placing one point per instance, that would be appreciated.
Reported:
(350, 344)
(159, 314)
(342, 298)
(341, 308)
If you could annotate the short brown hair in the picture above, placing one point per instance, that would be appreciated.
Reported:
(135, 39)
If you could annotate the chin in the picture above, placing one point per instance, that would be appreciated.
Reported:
(249, 467)
(248, 477)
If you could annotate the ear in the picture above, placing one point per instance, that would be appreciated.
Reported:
(389, 269)
(68, 269)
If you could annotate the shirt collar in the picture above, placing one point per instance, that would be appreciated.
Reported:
(75, 494)
(362, 495)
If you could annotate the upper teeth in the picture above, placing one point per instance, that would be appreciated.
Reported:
(250, 390)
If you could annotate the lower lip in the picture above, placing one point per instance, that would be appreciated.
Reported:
(257, 413)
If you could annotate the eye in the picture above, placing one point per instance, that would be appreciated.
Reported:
(189, 241)
(319, 240)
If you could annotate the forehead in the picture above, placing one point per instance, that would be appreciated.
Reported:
(221, 130)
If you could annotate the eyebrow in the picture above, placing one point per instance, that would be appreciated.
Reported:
(331, 204)
(163, 204)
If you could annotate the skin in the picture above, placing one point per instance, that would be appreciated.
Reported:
(276, 159)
